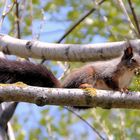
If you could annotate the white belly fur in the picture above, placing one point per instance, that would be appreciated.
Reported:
(125, 80)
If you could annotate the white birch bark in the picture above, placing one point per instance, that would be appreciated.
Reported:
(69, 97)
(64, 52)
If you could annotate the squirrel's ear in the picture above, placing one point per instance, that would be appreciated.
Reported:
(128, 53)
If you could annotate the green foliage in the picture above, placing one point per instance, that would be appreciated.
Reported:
(135, 86)
(108, 23)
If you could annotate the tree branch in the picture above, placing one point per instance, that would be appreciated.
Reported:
(7, 114)
(79, 21)
(72, 27)
(134, 16)
(86, 122)
(17, 20)
(6, 12)
(122, 5)
(69, 97)
(64, 52)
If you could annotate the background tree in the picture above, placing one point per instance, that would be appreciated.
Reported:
(48, 21)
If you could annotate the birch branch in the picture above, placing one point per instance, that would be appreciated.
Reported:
(69, 97)
(64, 52)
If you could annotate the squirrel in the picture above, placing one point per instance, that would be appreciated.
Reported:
(115, 74)
(28, 73)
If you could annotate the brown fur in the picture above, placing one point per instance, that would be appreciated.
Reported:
(115, 74)
(27, 72)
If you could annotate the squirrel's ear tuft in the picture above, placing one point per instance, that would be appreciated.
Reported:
(128, 53)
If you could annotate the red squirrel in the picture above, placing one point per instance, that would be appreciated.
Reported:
(115, 74)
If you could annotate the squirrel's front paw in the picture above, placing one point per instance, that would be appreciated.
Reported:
(124, 90)
(85, 86)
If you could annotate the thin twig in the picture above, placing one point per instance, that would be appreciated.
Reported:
(65, 67)
(101, 124)
(17, 19)
(41, 24)
(122, 124)
(5, 13)
(134, 16)
(31, 16)
(86, 122)
(79, 21)
(127, 16)
(76, 24)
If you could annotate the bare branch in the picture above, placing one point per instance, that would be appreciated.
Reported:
(5, 11)
(69, 97)
(134, 16)
(87, 123)
(17, 19)
(79, 21)
(82, 18)
(7, 113)
(64, 52)
(127, 16)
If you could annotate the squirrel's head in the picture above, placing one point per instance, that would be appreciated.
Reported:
(130, 59)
